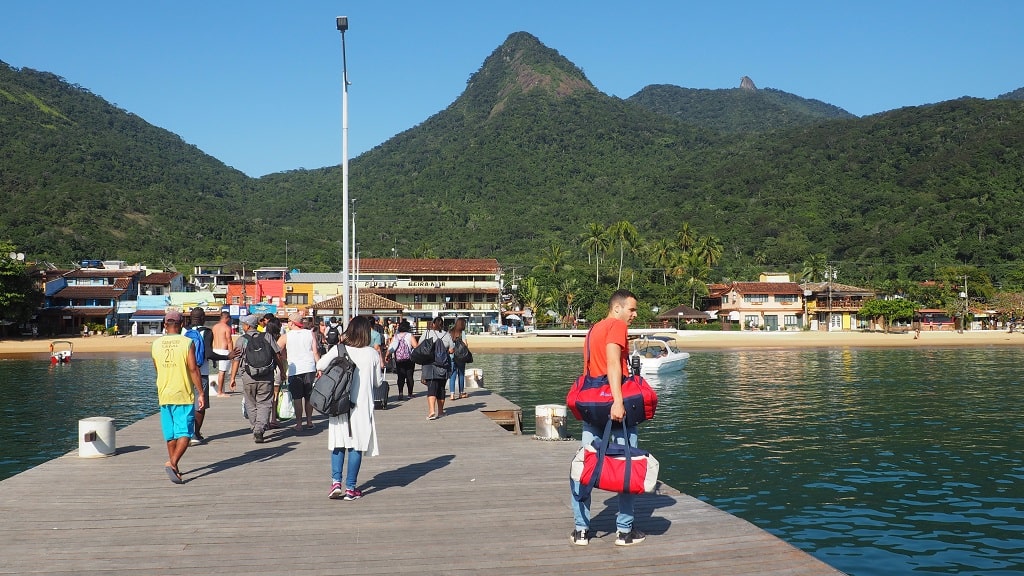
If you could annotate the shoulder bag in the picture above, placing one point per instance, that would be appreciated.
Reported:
(590, 397)
(614, 467)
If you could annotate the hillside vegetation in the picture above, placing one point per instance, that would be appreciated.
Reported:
(528, 159)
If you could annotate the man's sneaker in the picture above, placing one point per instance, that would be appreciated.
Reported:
(579, 537)
(195, 441)
(634, 536)
(352, 494)
(336, 491)
(258, 437)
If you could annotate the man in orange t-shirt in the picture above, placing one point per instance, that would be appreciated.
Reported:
(607, 355)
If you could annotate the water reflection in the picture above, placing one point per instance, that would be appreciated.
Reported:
(879, 462)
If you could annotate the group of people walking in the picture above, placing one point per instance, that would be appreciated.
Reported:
(268, 356)
(440, 379)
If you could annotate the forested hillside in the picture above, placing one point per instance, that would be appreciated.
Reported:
(736, 110)
(525, 166)
(81, 178)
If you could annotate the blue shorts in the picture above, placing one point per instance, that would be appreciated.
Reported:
(178, 421)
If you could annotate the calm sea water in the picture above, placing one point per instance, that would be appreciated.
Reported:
(879, 462)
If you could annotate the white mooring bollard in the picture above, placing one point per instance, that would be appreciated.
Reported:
(96, 437)
(551, 422)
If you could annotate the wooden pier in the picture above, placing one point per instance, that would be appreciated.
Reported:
(458, 495)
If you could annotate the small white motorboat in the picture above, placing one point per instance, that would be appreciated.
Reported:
(658, 355)
(60, 351)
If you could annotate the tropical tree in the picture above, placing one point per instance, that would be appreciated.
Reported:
(552, 258)
(888, 310)
(661, 254)
(709, 249)
(18, 297)
(530, 295)
(696, 274)
(814, 268)
(685, 238)
(596, 242)
(625, 233)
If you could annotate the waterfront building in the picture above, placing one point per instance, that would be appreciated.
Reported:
(773, 303)
(91, 295)
(833, 306)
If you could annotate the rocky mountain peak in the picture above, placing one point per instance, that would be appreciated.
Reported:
(522, 64)
(747, 84)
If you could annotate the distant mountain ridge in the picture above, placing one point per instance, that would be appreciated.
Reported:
(1017, 94)
(736, 110)
(523, 160)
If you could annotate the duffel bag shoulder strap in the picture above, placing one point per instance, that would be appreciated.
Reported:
(602, 450)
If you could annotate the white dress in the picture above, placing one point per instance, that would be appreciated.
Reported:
(364, 428)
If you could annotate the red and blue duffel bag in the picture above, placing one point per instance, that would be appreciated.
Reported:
(614, 467)
(590, 397)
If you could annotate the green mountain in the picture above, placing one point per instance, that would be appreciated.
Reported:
(1017, 94)
(519, 165)
(737, 110)
(82, 178)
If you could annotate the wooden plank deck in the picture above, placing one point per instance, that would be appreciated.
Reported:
(459, 495)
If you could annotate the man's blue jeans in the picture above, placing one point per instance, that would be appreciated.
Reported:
(581, 509)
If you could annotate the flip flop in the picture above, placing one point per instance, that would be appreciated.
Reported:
(174, 475)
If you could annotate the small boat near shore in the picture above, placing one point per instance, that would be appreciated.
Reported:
(658, 355)
(60, 351)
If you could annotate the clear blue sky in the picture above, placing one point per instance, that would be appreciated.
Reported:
(257, 84)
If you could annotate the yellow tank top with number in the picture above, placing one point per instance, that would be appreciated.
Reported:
(173, 385)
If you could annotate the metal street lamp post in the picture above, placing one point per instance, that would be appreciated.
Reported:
(342, 23)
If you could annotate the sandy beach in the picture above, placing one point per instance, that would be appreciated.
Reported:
(686, 340)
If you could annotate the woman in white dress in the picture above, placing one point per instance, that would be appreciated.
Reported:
(355, 433)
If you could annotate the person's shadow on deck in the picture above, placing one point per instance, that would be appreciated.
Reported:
(406, 474)
(257, 455)
(643, 513)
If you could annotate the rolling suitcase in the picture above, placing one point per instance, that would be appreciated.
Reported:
(381, 392)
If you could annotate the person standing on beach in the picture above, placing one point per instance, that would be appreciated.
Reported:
(222, 345)
(177, 384)
(300, 350)
(353, 434)
(257, 379)
(607, 355)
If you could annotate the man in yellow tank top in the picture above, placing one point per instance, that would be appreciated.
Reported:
(177, 383)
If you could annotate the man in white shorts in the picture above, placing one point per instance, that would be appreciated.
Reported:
(222, 344)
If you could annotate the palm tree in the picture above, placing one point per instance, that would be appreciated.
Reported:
(814, 267)
(625, 233)
(685, 238)
(595, 241)
(530, 295)
(710, 250)
(661, 255)
(553, 257)
(695, 281)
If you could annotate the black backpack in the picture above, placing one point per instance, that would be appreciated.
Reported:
(259, 357)
(332, 391)
(333, 335)
(441, 357)
(461, 353)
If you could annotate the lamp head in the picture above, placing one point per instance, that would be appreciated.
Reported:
(342, 23)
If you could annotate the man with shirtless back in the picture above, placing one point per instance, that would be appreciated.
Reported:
(222, 344)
